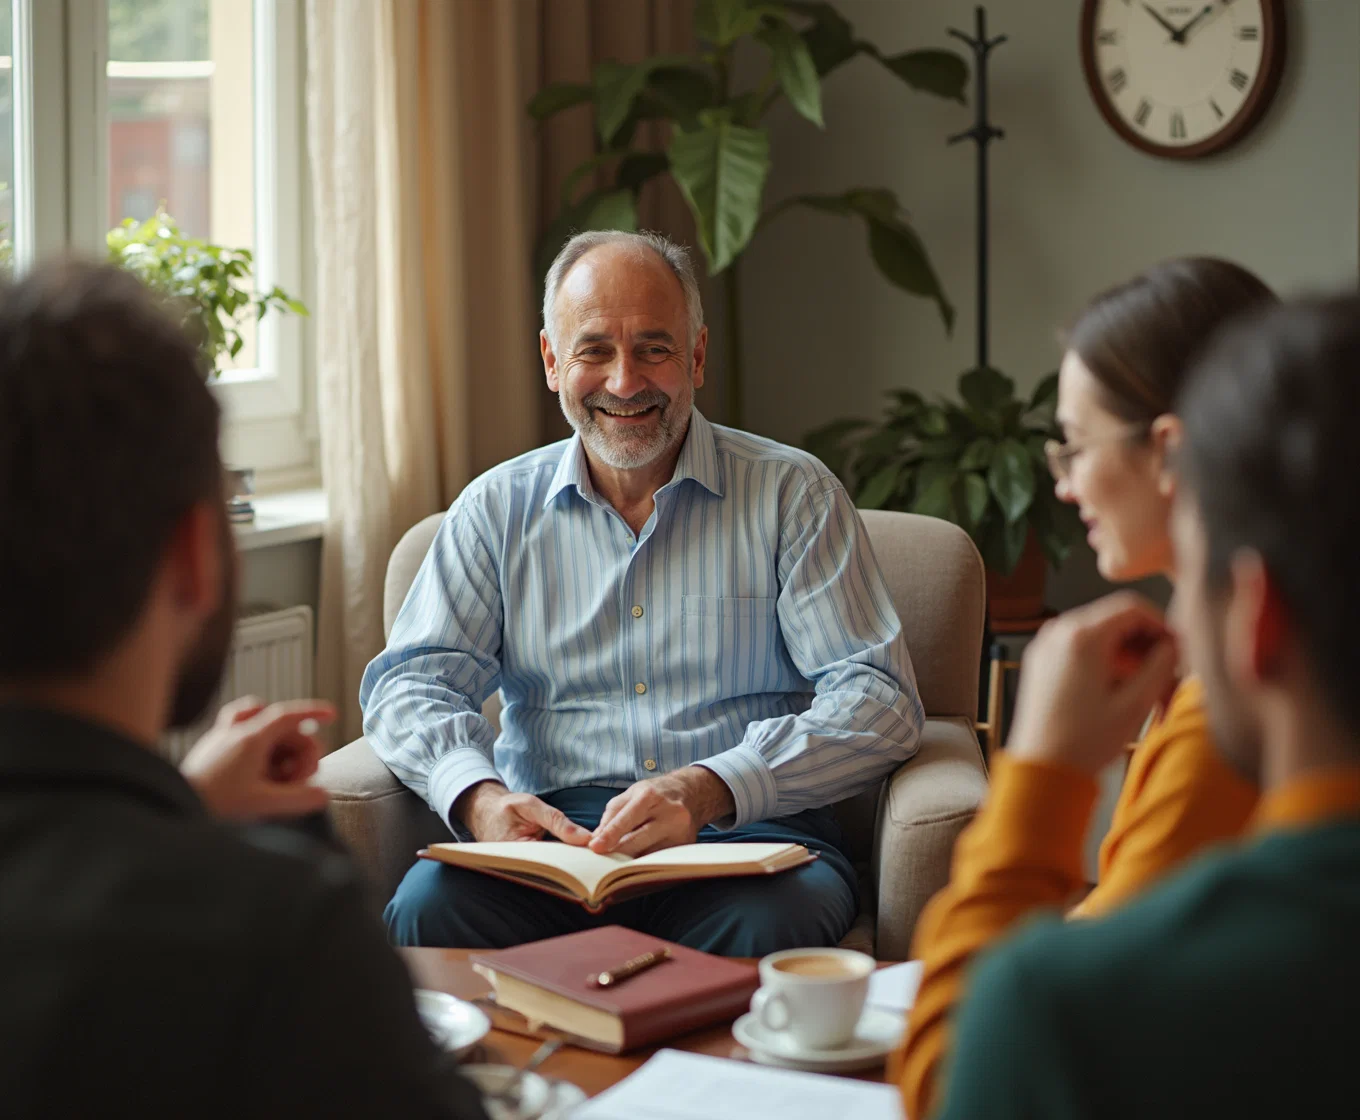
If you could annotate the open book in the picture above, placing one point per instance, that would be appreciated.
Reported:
(595, 880)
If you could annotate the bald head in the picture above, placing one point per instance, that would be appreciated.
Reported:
(621, 259)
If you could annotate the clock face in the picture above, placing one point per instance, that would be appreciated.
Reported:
(1182, 78)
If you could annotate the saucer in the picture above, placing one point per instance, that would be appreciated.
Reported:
(877, 1034)
(539, 1098)
(453, 1023)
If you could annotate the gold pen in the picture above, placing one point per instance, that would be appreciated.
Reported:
(638, 964)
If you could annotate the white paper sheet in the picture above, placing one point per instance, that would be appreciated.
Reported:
(679, 1086)
(894, 988)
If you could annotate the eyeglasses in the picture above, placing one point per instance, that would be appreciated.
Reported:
(1060, 454)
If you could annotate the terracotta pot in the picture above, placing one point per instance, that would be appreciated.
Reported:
(1020, 594)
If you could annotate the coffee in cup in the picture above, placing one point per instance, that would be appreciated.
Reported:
(813, 996)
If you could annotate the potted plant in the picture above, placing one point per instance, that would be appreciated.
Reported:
(978, 462)
(718, 152)
(211, 284)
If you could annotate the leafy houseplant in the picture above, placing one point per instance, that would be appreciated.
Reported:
(211, 284)
(978, 462)
(719, 152)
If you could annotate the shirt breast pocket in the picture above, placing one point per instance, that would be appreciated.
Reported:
(736, 643)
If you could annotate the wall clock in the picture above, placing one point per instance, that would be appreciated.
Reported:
(1182, 79)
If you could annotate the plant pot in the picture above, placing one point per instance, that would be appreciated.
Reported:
(1019, 595)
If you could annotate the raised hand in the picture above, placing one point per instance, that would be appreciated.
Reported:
(1089, 680)
(255, 761)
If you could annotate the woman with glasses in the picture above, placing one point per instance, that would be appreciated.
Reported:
(1125, 359)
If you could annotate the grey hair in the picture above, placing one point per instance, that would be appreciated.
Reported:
(675, 256)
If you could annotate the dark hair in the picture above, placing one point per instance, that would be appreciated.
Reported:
(1139, 339)
(108, 435)
(1271, 453)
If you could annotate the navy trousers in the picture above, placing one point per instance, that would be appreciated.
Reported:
(746, 917)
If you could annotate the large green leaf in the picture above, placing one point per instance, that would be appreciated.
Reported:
(893, 244)
(978, 455)
(985, 389)
(1045, 393)
(1013, 537)
(976, 496)
(558, 96)
(1011, 478)
(794, 68)
(879, 488)
(723, 22)
(942, 73)
(935, 496)
(617, 85)
(721, 170)
(830, 40)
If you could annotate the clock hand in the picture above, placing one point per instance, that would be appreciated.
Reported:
(1155, 14)
(1180, 35)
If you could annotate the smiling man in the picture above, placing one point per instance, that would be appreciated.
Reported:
(688, 628)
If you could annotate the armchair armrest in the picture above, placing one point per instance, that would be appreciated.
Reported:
(924, 807)
(382, 822)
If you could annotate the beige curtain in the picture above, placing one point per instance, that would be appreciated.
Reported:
(429, 184)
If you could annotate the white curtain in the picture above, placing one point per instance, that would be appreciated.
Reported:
(427, 366)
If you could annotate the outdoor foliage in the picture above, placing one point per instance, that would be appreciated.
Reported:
(719, 151)
(978, 462)
(212, 284)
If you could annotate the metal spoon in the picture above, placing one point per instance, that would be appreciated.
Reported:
(510, 1086)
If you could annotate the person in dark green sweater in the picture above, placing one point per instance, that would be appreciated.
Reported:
(1233, 989)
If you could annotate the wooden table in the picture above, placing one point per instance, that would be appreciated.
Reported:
(447, 970)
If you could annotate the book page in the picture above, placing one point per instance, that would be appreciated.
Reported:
(680, 1086)
(581, 864)
(712, 855)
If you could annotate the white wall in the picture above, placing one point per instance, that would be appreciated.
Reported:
(1074, 209)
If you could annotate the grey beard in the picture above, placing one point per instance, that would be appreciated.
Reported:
(621, 450)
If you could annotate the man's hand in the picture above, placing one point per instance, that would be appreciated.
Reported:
(492, 812)
(662, 812)
(255, 761)
(1089, 680)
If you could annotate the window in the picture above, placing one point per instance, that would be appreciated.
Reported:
(196, 106)
(181, 134)
(16, 238)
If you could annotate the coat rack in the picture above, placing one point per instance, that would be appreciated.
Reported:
(982, 134)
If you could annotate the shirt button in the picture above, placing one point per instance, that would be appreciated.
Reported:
(639, 688)
(650, 764)
(637, 612)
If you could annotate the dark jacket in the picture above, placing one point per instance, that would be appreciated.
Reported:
(156, 962)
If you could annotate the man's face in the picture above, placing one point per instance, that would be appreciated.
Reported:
(623, 365)
(1198, 614)
(200, 673)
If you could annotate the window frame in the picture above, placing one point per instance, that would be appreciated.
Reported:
(270, 412)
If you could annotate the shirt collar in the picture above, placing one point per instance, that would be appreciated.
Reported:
(1310, 800)
(49, 747)
(698, 460)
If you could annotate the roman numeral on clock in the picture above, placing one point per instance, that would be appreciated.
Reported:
(1248, 34)
(1144, 111)
(1116, 79)
(1239, 80)
(1108, 38)
(1214, 106)
(1177, 126)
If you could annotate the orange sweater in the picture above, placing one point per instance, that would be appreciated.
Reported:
(1021, 854)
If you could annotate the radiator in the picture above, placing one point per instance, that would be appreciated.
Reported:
(271, 657)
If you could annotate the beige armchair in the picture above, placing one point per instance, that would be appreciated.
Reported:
(901, 833)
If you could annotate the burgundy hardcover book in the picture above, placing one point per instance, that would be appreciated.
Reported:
(549, 983)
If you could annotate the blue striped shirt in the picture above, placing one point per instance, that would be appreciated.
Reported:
(746, 629)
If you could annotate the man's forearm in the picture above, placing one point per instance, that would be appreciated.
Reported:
(475, 802)
(706, 795)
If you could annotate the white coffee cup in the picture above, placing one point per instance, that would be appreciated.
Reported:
(813, 996)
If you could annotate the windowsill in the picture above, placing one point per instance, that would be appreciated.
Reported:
(284, 518)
